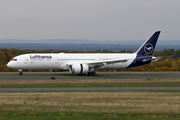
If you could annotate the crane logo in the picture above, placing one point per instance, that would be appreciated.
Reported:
(148, 48)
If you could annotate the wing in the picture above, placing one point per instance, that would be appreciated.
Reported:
(97, 64)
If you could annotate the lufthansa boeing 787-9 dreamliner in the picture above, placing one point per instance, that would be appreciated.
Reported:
(86, 63)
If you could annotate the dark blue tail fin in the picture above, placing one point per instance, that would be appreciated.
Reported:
(148, 47)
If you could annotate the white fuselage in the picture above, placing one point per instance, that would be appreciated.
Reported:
(41, 61)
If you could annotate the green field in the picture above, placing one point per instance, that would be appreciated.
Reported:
(161, 105)
(90, 105)
(114, 82)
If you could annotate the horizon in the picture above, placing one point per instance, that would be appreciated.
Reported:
(78, 41)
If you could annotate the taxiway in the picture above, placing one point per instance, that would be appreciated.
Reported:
(99, 75)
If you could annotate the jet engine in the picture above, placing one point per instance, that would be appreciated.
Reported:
(77, 68)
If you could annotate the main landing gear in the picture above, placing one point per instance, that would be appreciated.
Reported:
(91, 73)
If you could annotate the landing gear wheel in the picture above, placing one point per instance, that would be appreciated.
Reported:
(21, 73)
(88, 73)
(82, 74)
(94, 73)
(91, 74)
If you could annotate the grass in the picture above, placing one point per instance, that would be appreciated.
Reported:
(90, 105)
(96, 102)
(86, 116)
(114, 82)
(77, 118)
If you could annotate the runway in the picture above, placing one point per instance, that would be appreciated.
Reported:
(99, 75)
(86, 89)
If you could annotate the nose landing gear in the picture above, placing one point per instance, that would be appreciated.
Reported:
(20, 72)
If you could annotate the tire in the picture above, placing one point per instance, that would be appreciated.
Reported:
(94, 73)
(91, 74)
(20, 73)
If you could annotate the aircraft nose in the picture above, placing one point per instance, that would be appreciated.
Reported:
(10, 64)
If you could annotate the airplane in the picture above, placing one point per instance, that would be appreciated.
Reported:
(86, 63)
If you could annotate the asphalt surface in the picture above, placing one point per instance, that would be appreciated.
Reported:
(99, 75)
(85, 89)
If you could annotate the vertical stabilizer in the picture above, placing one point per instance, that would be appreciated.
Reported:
(148, 47)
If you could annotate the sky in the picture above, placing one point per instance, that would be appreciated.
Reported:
(89, 19)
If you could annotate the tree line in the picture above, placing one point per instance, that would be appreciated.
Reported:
(165, 64)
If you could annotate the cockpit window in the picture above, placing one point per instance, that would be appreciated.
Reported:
(14, 60)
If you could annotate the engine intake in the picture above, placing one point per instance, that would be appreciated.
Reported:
(77, 68)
